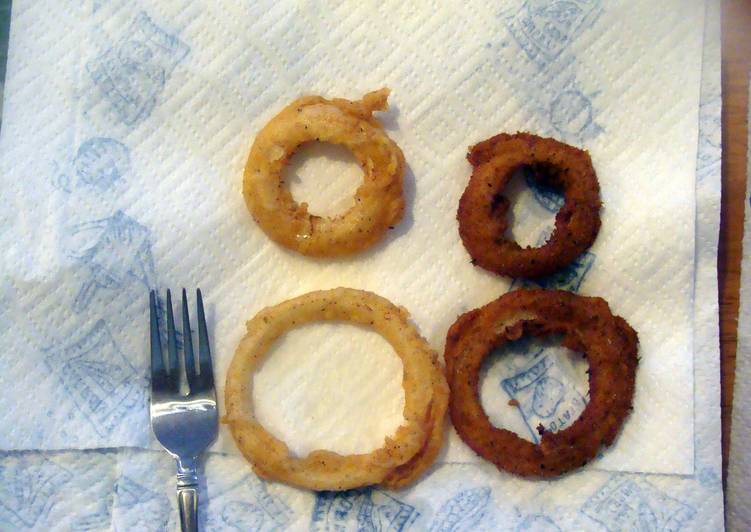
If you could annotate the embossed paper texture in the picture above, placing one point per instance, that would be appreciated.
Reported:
(131, 490)
(107, 192)
(126, 128)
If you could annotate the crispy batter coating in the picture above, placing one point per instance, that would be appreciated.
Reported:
(483, 207)
(587, 326)
(403, 456)
(407, 473)
(379, 203)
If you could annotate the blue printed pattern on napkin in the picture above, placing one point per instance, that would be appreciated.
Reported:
(362, 510)
(546, 395)
(100, 163)
(626, 503)
(27, 490)
(247, 505)
(139, 507)
(462, 512)
(131, 75)
(535, 55)
(102, 383)
(119, 253)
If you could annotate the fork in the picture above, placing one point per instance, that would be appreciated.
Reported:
(183, 401)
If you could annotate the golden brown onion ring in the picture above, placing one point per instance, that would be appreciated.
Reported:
(483, 207)
(321, 469)
(589, 327)
(407, 473)
(379, 203)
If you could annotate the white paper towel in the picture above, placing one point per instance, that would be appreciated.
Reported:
(126, 490)
(126, 131)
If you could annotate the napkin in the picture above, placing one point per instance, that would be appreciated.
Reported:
(126, 131)
(132, 489)
(739, 516)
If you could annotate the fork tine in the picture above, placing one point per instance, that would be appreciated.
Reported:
(174, 368)
(190, 364)
(204, 352)
(158, 371)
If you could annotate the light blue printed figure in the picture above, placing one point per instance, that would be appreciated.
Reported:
(544, 29)
(536, 57)
(361, 511)
(28, 489)
(463, 511)
(98, 377)
(571, 112)
(625, 503)
(238, 515)
(139, 508)
(100, 519)
(99, 163)
(709, 477)
(547, 398)
(98, 4)
(537, 523)
(131, 75)
(119, 255)
(709, 154)
(247, 506)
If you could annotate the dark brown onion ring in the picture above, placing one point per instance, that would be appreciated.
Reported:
(483, 207)
(589, 327)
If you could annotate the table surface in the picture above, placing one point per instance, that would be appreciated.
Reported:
(736, 63)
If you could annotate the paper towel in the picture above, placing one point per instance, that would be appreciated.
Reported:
(139, 485)
(126, 131)
(134, 490)
(739, 467)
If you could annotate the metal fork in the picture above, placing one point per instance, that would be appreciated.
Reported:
(184, 423)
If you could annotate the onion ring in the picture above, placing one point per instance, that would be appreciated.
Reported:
(379, 202)
(483, 207)
(589, 327)
(423, 385)
(408, 472)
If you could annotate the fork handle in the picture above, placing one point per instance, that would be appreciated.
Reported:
(187, 501)
(187, 494)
